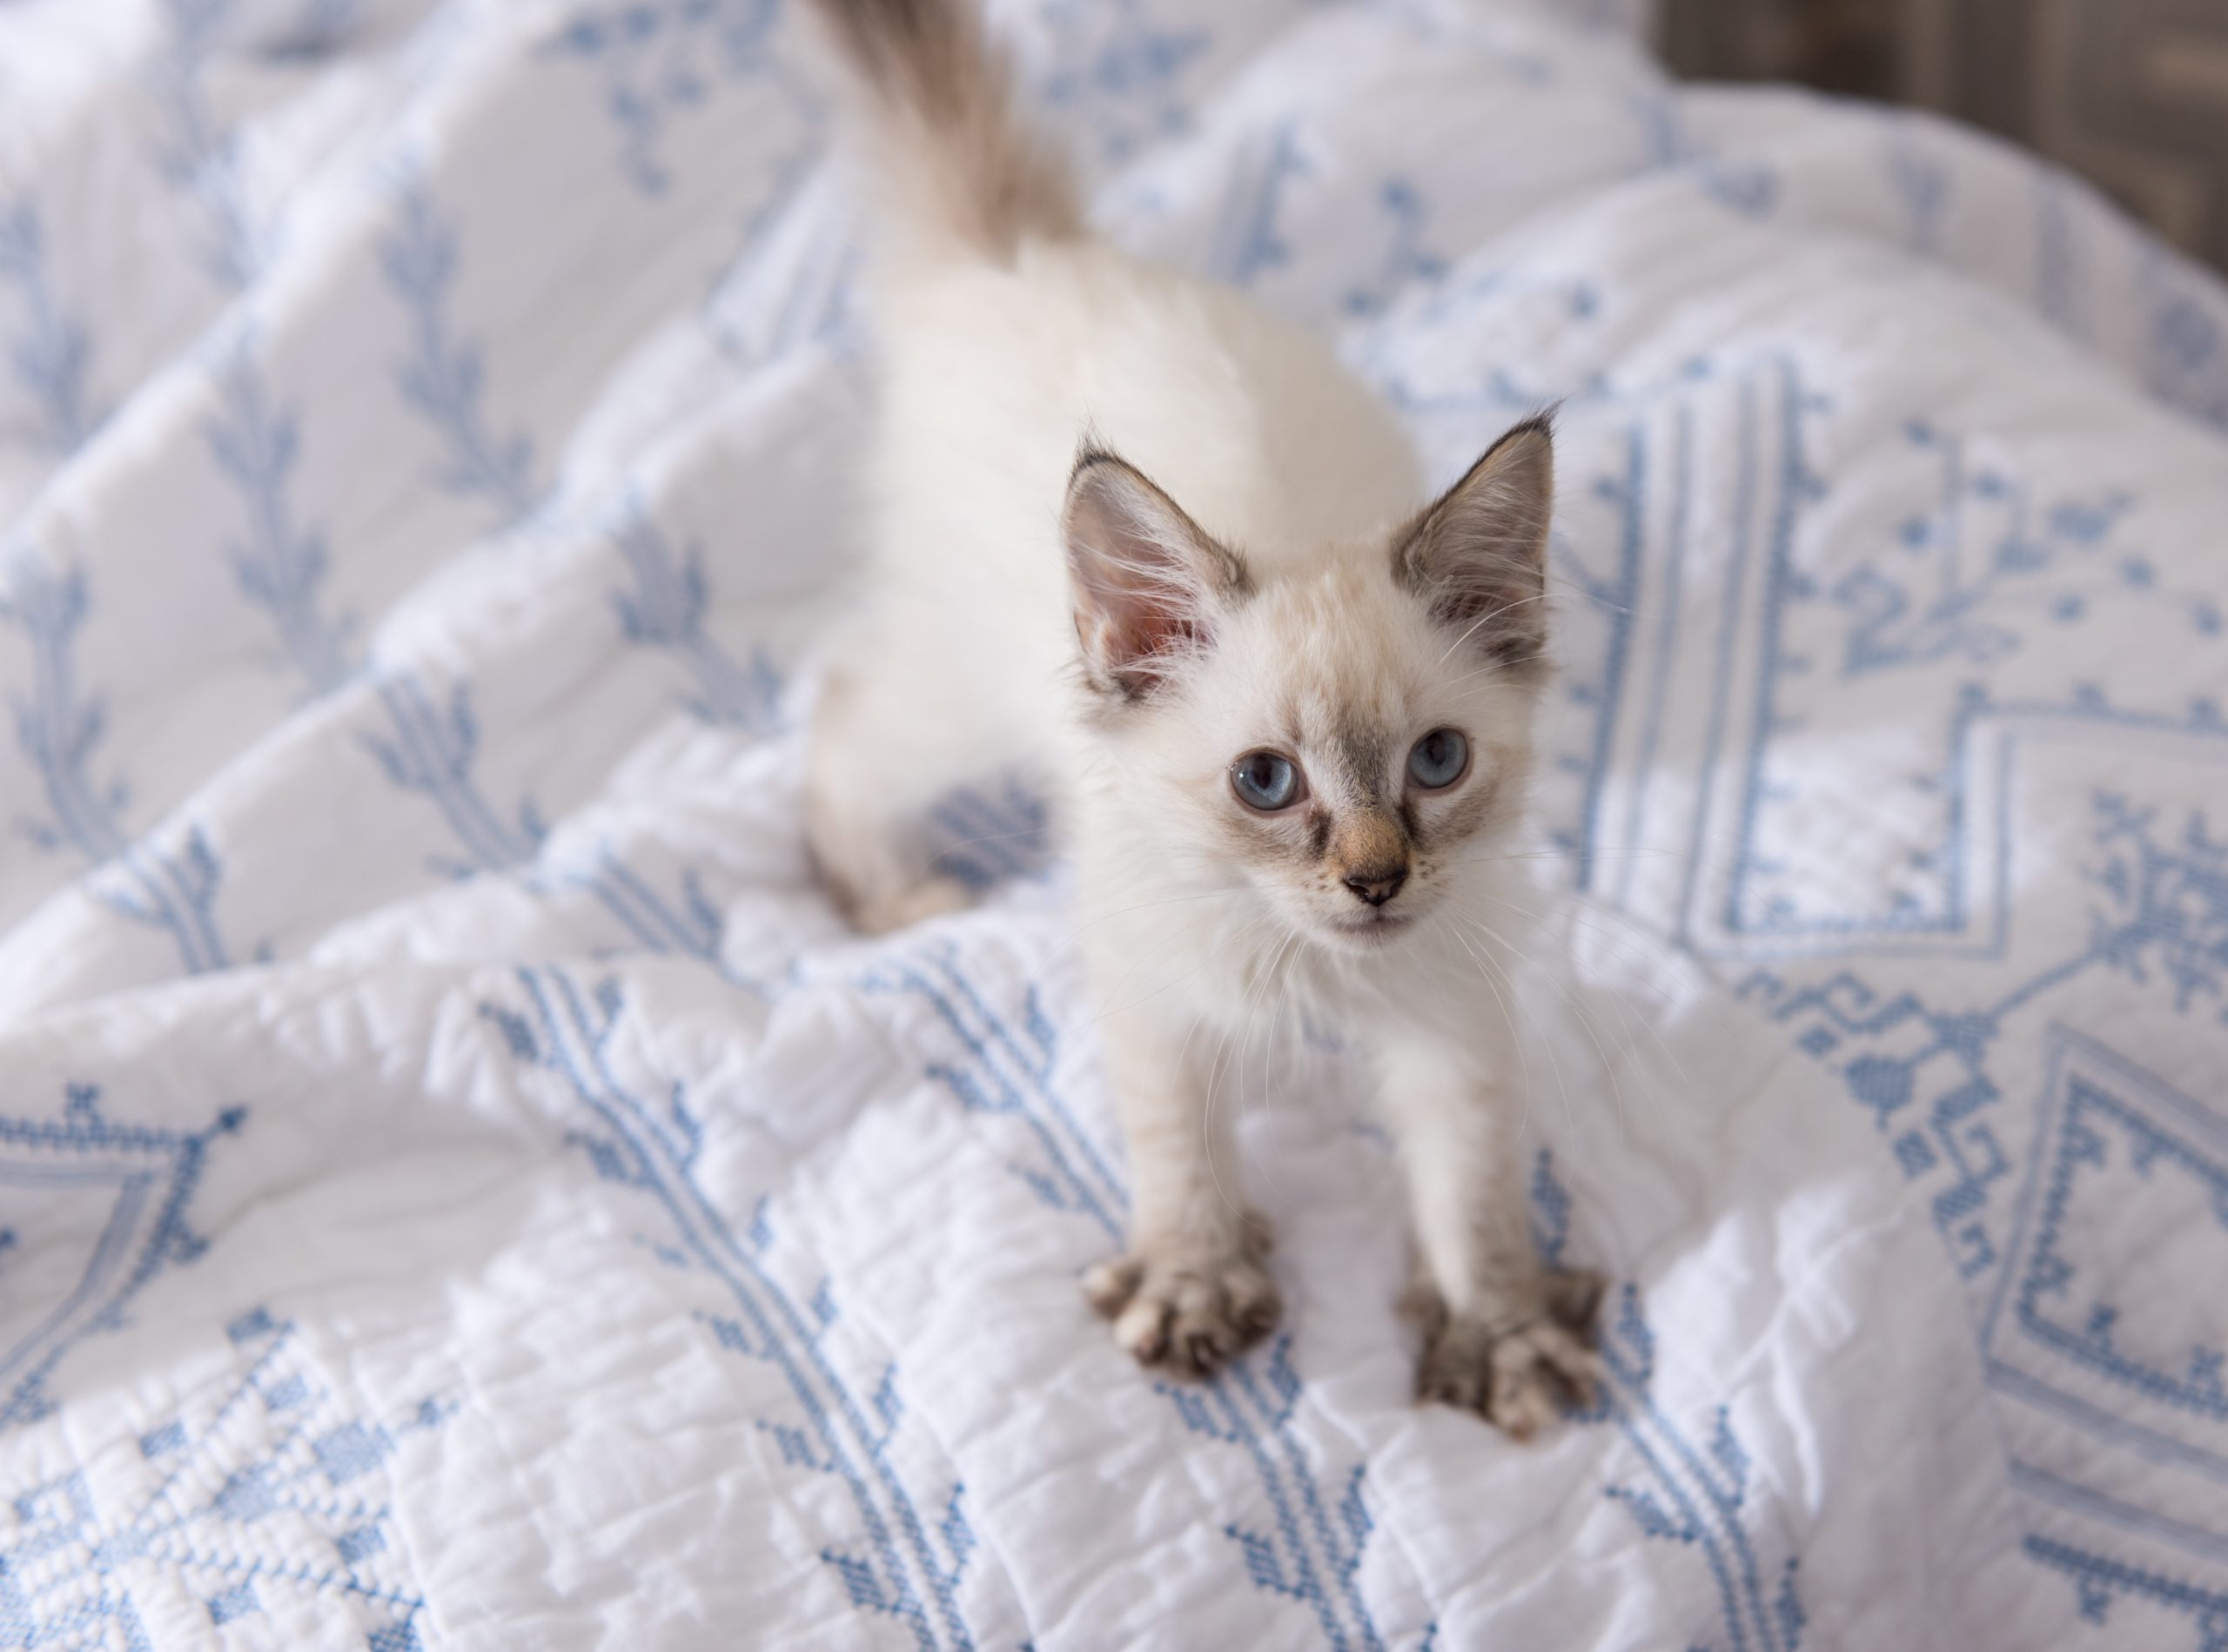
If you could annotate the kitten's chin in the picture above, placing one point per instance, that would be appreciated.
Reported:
(1372, 932)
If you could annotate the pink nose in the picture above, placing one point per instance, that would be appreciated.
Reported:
(1378, 885)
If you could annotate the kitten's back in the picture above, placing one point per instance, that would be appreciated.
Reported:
(1007, 332)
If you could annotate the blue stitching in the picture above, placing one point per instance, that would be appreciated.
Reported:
(281, 567)
(1616, 602)
(431, 754)
(1341, 1559)
(659, 57)
(2159, 892)
(1123, 84)
(1666, 641)
(1921, 181)
(1070, 1190)
(665, 609)
(1795, 480)
(1247, 242)
(1627, 1351)
(1406, 262)
(196, 1538)
(2084, 1500)
(1720, 695)
(2097, 1581)
(57, 729)
(652, 1159)
(51, 354)
(1749, 188)
(2048, 1272)
(159, 1168)
(198, 155)
(444, 375)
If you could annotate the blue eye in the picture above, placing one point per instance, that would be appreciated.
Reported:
(1439, 759)
(1265, 781)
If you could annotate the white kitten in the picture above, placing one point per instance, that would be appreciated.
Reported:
(1155, 547)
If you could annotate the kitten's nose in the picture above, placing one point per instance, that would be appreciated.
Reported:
(1377, 884)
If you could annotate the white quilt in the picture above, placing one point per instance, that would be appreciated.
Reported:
(459, 1184)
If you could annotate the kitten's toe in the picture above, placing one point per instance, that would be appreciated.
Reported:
(1189, 1311)
(1518, 1378)
(1537, 1373)
(1574, 1298)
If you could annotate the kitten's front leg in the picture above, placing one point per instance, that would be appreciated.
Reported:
(1193, 1293)
(1503, 1335)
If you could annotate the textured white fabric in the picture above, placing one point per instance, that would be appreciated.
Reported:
(460, 1184)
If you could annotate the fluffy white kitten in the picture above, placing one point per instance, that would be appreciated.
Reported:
(1154, 546)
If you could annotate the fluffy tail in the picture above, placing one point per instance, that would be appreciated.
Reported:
(958, 170)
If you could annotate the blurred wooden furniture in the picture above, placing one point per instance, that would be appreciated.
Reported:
(2132, 93)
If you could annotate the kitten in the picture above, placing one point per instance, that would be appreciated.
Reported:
(1153, 545)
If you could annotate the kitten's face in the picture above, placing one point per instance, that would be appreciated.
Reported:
(1345, 741)
(1343, 756)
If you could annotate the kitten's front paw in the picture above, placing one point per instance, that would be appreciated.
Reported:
(1190, 1310)
(1516, 1375)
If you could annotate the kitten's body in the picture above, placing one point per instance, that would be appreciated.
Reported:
(1124, 640)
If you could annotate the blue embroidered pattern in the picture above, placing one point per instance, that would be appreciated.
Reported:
(1749, 188)
(1408, 261)
(1008, 1071)
(1922, 181)
(431, 751)
(147, 1178)
(985, 836)
(2074, 1331)
(658, 58)
(1982, 562)
(1309, 1551)
(902, 1561)
(2165, 907)
(51, 353)
(2188, 365)
(198, 156)
(1116, 73)
(281, 565)
(443, 376)
(59, 726)
(664, 608)
(1688, 1494)
(1961, 594)
(2098, 1583)
(693, 927)
(274, 1490)
(2094, 1123)
(1248, 242)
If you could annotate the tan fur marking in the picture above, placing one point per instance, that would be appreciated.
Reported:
(1370, 845)
(938, 100)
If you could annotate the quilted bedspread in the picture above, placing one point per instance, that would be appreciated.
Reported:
(461, 1185)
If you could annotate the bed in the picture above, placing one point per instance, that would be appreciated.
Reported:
(461, 1185)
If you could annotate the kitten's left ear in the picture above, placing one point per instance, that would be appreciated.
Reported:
(1150, 584)
(1479, 556)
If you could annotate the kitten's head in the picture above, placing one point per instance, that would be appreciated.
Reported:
(1345, 739)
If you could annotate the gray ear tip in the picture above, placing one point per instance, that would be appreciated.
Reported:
(1093, 451)
(1540, 427)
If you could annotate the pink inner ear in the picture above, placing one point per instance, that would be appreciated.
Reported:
(1144, 598)
(1140, 569)
(1479, 556)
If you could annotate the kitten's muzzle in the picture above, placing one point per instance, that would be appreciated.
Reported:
(1377, 884)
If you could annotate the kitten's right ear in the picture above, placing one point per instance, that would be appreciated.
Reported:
(1479, 556)
(1150, 583)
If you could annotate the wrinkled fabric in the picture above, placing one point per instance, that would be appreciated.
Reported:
(460, 1183)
